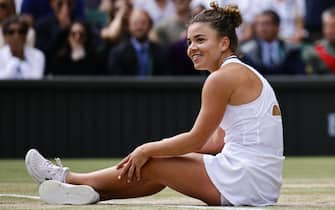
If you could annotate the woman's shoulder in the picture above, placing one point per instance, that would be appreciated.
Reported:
(226, 78)
(230, 73)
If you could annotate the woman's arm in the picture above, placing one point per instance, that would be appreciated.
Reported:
(215, 96)
(215, 144)
(216, 93)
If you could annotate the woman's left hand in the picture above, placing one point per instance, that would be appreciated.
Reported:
(132, 164)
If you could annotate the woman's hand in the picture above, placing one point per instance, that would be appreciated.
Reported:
(132, 164)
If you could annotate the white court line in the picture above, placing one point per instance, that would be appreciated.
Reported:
(20, 196)
(214, 207)
(169, 206)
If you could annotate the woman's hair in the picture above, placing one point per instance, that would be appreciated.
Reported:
(222, 19)
(65, 49)
(89, 39)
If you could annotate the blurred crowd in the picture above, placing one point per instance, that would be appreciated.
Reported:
(44, 38)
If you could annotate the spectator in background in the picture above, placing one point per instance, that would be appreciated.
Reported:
(117, 29)
(249, 10)
(77, 56)
(137, 55)
(16, 59)
(51, 31)
(313, 22)
(178, 60)
(173, 29)
(268, 53)
(7, 9)
(18, 4)
(159, 10)
(291, 13)
(320, 58)
(198, 6)
(39, 9)
(97, 12)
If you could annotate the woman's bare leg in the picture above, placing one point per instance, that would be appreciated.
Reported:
(185, 174)
(106, 183)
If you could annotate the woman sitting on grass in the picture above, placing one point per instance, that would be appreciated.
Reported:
(239, 121)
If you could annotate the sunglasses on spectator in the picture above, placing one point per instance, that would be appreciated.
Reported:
(80, 33)
(3, 5)
(11, 32)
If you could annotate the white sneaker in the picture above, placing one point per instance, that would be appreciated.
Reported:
(41, 169)
(55, 192)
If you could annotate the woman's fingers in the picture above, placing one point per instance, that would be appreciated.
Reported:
(120, 164)
(125, 169)
(131, 172)
(138, 173)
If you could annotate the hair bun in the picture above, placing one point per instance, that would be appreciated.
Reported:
(232, 12)
(214, 5)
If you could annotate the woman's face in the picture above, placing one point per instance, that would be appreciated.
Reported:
(205, 48)
(77, 33)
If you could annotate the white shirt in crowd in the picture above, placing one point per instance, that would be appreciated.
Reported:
(32, 67)
(154, 11)
(18, 4)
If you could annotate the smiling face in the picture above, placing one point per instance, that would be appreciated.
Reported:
(206, 48)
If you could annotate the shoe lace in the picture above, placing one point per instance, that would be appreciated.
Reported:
(53, 169)
(59, 162)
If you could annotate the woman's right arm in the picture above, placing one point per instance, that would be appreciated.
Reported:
(215, 144)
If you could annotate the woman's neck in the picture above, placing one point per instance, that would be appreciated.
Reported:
(222, 59)
(225, 56)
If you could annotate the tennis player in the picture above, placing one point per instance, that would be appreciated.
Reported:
(233, 155)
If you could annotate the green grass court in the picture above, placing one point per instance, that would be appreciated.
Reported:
(309, 183)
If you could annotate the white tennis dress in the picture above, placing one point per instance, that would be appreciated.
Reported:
(248, 171)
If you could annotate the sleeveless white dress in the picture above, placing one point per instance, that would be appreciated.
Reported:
(248, 171)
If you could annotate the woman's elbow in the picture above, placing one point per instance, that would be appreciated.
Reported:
(198, 141)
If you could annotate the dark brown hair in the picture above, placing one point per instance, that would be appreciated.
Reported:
(273, 15)
(222, 19)
(15, 19)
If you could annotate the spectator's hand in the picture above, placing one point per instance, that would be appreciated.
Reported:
(75, 42)
(132, 164)
(123, 9)
(105, 6)
(64, 15)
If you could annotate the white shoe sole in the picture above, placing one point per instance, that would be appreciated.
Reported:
(55, 192)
